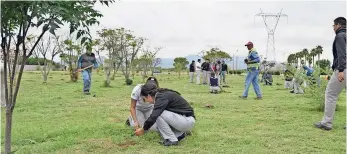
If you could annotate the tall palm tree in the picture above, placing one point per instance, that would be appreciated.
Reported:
(319, 51)
(300, 56)
(313, 54)
(305, 53)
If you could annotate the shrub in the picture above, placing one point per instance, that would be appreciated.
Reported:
(128, 82)
(276, 73)
(231, 72)
(238, 72)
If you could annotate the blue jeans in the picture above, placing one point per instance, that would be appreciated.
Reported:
(87, 77)
(252, 77)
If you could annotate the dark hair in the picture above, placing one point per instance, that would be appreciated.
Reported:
(193, 61)
(213, 74)
(340, 20)
(199, 59)
(151, 89)
(153, 80)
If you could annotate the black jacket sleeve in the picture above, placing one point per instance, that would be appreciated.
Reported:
(341, 51)
(159, 106)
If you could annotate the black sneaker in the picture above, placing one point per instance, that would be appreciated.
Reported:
(169, 143)
(127, 122)
(321, 126)
(87, 93)
(181, 137)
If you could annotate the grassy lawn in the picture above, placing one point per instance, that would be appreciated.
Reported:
(57, 118)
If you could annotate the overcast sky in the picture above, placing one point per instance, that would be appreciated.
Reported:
(187, 27)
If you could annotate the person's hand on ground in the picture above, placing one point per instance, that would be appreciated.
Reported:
(139, 132)
(136, 125)
(340, 76)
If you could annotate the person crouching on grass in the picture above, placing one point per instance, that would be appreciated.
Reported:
(139, 110)
(214, 86)
(172, 114)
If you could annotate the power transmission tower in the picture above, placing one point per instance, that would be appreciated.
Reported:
(274, 18)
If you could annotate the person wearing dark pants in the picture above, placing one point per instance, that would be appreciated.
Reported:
(337, 81)
(172, 114)
(86, 62)
(253, 65)
(191, 71)
(224, 71)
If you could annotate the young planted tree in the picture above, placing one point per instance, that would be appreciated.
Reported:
(47, 49)
(130, 47)
(17, 18)
(180, 64)
(70, 56)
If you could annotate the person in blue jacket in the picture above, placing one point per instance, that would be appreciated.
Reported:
(86, 62)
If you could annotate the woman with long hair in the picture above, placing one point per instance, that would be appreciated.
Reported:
(172, 114)
(139, 109)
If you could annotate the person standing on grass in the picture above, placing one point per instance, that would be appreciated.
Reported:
(337, 81)
(172, 114)
(86, 62)
(223, 72)
(139, 110)
(198, 71)
(253, 64)
(191, 71)
(206, 71)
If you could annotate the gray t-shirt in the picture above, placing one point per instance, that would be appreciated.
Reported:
(140, 104)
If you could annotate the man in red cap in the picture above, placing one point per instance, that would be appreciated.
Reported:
(253, 64)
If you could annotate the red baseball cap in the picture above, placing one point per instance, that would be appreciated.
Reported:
(249, 43)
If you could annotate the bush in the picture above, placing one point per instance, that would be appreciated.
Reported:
(238, 72)
(276, 73)
(128, 82)
(231, 72)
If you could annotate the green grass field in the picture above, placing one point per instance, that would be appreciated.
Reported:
(57, 118)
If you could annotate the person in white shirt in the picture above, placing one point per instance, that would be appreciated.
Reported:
(198, 71)
(139, 109)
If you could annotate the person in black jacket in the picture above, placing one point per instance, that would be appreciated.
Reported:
(191, 71)
(337, 81)
(172, 114)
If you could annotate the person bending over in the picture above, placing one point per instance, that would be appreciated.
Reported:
(172, 114)
(139, 110)
(214, 86)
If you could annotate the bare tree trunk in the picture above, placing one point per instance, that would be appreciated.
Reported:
(179, 74)
(8, 129)
(108, 77)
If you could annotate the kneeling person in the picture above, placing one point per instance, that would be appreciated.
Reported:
(214, 86)
(172, 114)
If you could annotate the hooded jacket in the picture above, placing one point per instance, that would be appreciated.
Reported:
(339, 50)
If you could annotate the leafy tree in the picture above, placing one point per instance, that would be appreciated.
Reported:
(215, 54)
(318, 52)
(180, 64)
(17, 17)
(313, 54)
(305, 53)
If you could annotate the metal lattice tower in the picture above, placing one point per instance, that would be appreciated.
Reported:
(274, 18)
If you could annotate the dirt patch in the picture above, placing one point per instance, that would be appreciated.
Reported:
(127, 144)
